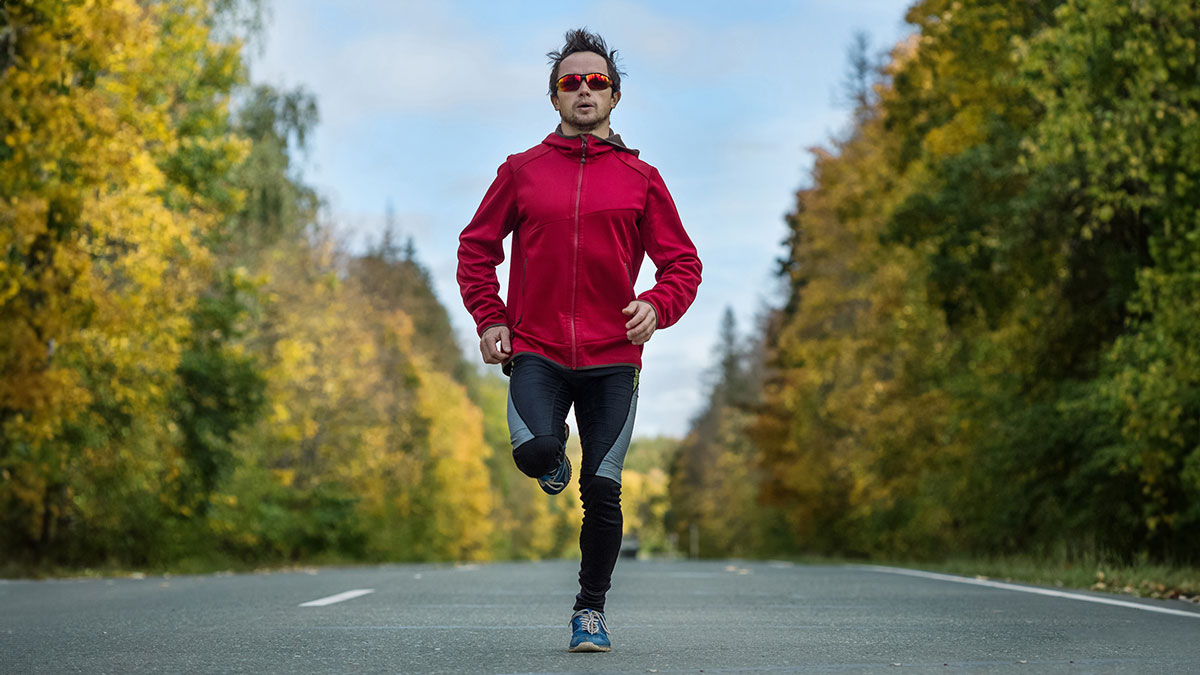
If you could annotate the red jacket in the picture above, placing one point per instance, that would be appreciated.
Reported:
(583, 212)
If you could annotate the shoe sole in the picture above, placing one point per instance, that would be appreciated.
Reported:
(551, 490)
(588, 647)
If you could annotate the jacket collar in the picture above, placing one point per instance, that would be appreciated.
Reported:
(573, 145)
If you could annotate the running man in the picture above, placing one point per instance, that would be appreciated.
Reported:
(583, 211)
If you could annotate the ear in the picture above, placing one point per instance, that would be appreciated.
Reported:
(616, 97)
(554, 100)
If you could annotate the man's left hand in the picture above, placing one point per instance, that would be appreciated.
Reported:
(642, 323)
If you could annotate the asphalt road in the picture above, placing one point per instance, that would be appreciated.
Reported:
(666, 616)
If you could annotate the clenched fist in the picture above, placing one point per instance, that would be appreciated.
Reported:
(642, 323)
(496, 345)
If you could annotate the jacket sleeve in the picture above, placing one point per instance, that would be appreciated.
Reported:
(481, 249)
(673, 253)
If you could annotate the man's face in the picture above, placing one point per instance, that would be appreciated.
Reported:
(583, 110)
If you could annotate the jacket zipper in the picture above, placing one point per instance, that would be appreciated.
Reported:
(575, 260)
(632, 296)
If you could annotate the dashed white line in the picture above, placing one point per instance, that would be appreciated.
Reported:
(340, 597)
(1028, 589)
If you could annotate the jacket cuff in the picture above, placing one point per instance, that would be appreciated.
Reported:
(658, 317)
(483, 328)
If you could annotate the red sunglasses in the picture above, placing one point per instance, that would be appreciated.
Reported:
(595, 82)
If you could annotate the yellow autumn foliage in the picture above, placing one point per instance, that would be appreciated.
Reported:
(457, 467)
(100, 269)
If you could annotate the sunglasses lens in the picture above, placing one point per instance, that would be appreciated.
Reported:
(596, 82)
(569, 82)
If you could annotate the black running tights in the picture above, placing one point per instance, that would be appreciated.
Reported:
(540, 394)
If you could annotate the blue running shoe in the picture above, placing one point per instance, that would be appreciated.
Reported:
(589, 632)
(556, 481)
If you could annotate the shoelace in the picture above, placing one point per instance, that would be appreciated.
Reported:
(591, 621)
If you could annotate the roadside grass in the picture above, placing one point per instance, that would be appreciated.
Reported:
(1147, 580)
(185, 567)
(1140, 579)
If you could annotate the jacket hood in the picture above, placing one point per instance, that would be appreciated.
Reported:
(572, 146)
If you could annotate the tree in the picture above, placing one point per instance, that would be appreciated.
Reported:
(114, 162)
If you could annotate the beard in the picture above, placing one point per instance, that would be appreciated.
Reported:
(586, 122)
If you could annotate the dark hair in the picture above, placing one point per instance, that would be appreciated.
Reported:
(580, 40)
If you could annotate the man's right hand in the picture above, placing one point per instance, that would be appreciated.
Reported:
(493, 352)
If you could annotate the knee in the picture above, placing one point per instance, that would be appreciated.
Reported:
(600, 494)
(538, 456)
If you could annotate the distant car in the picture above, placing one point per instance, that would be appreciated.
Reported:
(630, 546)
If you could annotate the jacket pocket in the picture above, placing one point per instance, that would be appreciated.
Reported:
(524, 278)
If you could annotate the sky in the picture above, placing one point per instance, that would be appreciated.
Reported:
(420, 102)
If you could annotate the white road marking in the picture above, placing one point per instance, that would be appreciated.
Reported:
(1028, 589)
(348, 595)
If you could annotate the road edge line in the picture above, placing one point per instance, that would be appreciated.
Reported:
(1025, 589)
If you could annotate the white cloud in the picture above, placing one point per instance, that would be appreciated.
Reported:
(406, 71)
(400, 62)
